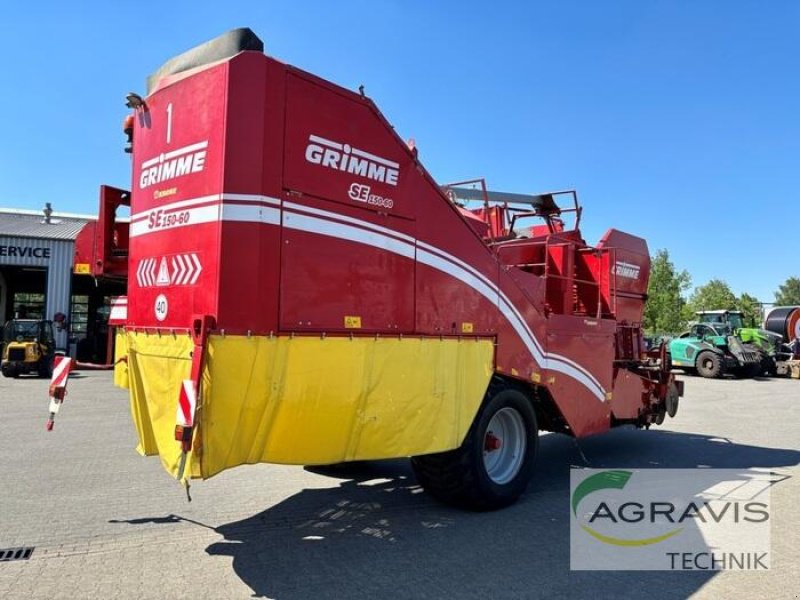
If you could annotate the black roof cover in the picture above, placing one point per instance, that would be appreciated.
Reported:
(221, 47)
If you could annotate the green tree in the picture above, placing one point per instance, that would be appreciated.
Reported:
(715, 295)
(788, 294)
(665, 301)
(751, 308)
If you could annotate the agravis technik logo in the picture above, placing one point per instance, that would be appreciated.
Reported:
(671, 519)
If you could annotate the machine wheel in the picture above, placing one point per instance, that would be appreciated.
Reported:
(495, 462)
(46, 368)
(672, 400)
(709, 364)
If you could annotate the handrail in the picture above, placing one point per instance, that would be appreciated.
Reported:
(605, 276)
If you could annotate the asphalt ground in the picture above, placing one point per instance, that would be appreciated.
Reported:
(106, 523)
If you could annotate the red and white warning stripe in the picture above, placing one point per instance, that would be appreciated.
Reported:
(176, 269)
(146, 272)
(119, 311)
(186, 269)
(184, 417)
(187, 402)
(62, 365)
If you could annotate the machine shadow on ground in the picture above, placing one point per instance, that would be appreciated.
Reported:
(378, 534)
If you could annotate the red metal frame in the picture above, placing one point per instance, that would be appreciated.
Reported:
(103, 245)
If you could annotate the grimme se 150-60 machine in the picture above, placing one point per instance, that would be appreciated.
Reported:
(301, 291)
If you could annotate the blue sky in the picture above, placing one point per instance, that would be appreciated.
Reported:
(677, 121)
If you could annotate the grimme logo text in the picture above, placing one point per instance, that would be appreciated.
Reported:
(183, 161)
(626, 270)
(346, 158)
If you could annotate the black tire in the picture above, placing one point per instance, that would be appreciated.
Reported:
(672, 400)
(709, 364)
(460, 477)
(769, 366)
(46, 367)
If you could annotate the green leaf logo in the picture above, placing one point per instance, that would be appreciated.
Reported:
(616, 480)
(600, 481)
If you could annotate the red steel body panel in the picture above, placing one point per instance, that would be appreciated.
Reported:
(323, 283)
(254, 124)
(176, 214)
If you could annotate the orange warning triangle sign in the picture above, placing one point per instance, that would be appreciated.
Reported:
(163, 273)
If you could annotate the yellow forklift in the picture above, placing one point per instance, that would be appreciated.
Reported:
(28, 347)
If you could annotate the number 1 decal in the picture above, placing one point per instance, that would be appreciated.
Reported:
(169, 122)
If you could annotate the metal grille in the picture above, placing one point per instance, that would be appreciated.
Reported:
(21, 553)
(750, 357)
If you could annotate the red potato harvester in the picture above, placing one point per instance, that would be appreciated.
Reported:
(301, 291)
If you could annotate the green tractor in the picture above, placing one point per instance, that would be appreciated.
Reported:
(712, 348)
(774, 355)
(29, 347)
